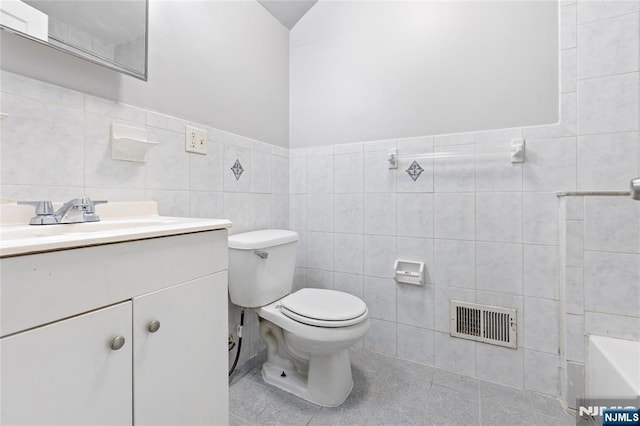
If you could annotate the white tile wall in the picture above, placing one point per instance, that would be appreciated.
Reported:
(489, 230)
(55, 145)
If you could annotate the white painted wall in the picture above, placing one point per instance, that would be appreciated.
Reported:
(222, 63)
(376, 70)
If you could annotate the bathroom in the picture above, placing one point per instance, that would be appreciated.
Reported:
(310, 115)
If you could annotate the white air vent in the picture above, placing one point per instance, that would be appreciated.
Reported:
(483, 323)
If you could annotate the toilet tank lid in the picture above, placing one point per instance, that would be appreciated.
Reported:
(261, 239)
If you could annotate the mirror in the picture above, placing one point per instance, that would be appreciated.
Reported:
(112, 33)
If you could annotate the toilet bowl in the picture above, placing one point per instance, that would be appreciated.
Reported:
(308, 332)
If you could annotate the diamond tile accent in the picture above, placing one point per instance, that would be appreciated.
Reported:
(414, 171)
(237, 169)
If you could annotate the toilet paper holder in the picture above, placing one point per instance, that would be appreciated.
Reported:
(409, 272)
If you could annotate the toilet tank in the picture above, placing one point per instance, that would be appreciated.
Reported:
(261, 266)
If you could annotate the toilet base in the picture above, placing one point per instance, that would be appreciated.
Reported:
(328, 383)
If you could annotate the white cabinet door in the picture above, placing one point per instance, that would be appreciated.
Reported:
(180, 370)
(66, 373)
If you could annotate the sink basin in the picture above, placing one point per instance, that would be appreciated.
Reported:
(23, 239)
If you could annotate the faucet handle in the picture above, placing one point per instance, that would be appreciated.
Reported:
(44, 212)
(92, 204)
(42, 207)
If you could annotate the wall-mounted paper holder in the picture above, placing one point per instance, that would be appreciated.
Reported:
(409, 272)
(129, 143)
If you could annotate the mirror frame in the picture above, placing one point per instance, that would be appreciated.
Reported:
(79, 53)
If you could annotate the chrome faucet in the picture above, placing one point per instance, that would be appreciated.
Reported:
(78, 210)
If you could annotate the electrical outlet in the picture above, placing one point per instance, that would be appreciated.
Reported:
(195, 140)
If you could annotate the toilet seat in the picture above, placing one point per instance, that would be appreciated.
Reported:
(324, 308)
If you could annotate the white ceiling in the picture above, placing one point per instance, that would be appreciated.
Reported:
(288, 12)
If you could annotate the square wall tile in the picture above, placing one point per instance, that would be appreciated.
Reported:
(260, 211)
(550, 165)
(611, 283)
(605, 162)
(415, 344)
(609, 46)
(455, 216)
(349, 283)
(348, 253)
(542, 372)
(380, 213)
(380, 297)
(349, 173)
(379, 256)
(501, 365)
(320, 250)
(499, 217)
(26, 143)
(348, 216)
(381, 337)
(499, 267)
(608, 104)
(612, 224)
(415, 305)
(320, 174)
(540, 218)
(455, 263)
(415, 215)
(540, 264)
(317, 278)
(237, 208)
(542, 325)
(320, 212)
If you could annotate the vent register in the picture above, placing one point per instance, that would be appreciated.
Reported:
(483, 323)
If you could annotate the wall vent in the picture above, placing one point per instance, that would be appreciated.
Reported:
(483, 323)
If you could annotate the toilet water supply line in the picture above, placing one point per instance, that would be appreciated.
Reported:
(235, 362)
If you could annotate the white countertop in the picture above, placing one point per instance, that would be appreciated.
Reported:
(119, 222)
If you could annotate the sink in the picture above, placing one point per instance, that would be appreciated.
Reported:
(18, 239)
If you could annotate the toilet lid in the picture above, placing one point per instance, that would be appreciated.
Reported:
(324, 308)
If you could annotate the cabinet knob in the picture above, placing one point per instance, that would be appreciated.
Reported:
(117, 342)
(154, 326)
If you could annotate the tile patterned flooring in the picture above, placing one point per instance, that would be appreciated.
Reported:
(391, 391)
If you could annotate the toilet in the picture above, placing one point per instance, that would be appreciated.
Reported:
(308, 332)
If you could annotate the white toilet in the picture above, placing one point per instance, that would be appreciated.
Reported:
(308, 332)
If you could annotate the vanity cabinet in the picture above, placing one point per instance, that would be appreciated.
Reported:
(165, 298)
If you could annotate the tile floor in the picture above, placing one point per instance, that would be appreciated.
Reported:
(390, 391)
